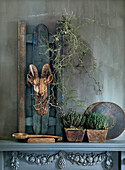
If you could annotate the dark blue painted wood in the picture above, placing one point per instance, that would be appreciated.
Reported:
(60, 97)
(51, 122)
(40, 40)
(29, 49)
(40, 57)
(29, 38)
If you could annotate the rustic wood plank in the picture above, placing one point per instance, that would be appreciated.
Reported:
(21, 75)
(29, 121)
(41, 140)
(36, 117)
(52, 121)
(29, 48)
(40, 57)
(29, 38)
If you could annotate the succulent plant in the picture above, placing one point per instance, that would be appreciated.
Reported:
(74, 120)
(96, 121)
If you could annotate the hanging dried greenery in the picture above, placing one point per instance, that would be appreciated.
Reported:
(70, 52)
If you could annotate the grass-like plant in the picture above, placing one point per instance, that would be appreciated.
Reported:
(96, 121)
(68, 53)
(71, 52)
(74, 120)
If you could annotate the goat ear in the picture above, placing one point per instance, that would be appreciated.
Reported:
(49, 79)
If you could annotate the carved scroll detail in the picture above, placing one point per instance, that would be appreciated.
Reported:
(14, 161)
(83, 159)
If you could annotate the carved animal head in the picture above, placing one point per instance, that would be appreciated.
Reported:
(40, 86)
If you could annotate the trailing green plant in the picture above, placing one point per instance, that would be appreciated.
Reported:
(74, 120)
(96, 121)
(70, 52)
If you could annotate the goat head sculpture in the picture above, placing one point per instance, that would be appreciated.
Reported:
(40, 86)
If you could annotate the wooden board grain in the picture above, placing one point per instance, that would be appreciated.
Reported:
(21, 75)
(40, 57)
(37, 53)
(41, 140)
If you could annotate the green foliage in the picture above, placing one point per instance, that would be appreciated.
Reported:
(96, 121)
(69, 53)
(74, 120)
(75, 46)
(76, 53)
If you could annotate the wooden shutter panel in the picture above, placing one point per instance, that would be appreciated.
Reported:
(21, 75)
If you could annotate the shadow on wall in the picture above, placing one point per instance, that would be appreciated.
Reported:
(80, 81)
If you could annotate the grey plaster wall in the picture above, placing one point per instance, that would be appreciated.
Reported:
(106, 20)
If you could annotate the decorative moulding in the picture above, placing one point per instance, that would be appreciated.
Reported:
(83, 159)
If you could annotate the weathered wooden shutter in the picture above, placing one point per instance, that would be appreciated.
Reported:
(21, 75)
(40, 40)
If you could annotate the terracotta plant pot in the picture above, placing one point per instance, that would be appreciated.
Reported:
(74, 135)
(96, 135)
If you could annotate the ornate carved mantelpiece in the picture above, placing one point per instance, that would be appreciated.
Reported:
(80, 159)
(19, 156)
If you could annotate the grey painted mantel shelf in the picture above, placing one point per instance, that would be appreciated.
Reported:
(112, 145)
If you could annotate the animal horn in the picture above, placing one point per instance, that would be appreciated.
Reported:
(46, 71)
(32, 76)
